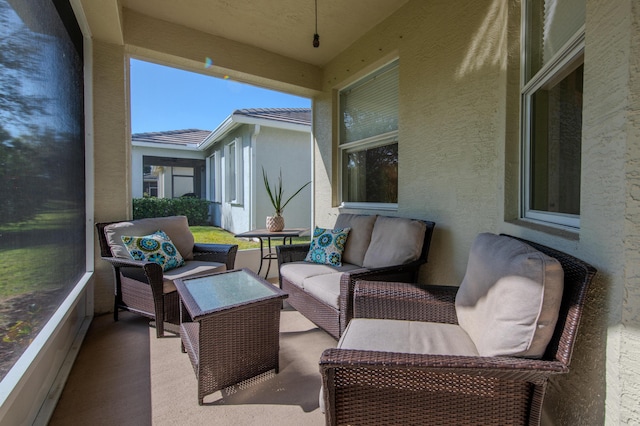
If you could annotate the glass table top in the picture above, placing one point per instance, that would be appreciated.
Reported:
(227, 289)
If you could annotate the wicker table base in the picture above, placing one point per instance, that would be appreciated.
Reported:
(231, 343)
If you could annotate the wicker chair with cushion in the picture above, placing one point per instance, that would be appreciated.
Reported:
(146, 286)
(481, 353)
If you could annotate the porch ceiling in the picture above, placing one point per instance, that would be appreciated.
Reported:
(285, 27)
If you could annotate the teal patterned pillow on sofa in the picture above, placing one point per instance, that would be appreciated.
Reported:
(327, 246)
(156, 247)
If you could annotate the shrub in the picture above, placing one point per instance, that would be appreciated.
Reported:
(196, 210)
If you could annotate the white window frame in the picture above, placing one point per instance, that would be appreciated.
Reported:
(215, 188)
(234, 180)
(565, 61)
(371, 142)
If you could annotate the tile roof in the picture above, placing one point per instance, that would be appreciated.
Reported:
(289, 115)
(194, 137)
(177, 137)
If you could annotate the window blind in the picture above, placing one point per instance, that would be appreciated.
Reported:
(370, 107)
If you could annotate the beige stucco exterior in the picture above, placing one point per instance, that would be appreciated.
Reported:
(458, 155)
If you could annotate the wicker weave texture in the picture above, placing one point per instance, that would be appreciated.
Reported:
(232, 344)
(367, 387)
(332, 320)
(139, 285)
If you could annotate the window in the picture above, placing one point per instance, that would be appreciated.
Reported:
(552, 110)
(214, 187)
(150, 181)
(42, 168)
(233, 175)
(369, 140)
(183, 181)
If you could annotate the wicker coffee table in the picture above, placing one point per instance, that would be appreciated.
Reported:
(230, 328)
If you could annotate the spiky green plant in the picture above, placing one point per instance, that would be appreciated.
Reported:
(276, 194)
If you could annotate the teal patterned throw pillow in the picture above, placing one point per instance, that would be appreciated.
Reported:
(327, 246)
(156, 247)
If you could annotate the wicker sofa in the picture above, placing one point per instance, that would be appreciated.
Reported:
(481, 353)
(142, 286)
(378, 248)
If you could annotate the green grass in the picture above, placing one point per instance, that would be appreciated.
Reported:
(46, 220)
(25, 270)
(212, 234)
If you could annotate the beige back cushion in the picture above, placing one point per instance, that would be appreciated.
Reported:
(176, 227)
(394, 241)
(510, 297)
(359, 236)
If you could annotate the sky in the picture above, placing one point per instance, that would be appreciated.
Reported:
(164, 98)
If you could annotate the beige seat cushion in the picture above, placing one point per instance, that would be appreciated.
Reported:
(297, 272)
(413, 337)
(191, 269)
(325, 287)
(176, 227)
(394, 241)
(359, 236)
(509, 299)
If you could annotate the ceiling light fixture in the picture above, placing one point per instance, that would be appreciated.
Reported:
(316, 37)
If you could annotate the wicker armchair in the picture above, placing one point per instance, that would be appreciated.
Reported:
(142, 286)
(368, 387)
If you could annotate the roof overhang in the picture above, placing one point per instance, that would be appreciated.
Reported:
(177, 147)
(236, 120)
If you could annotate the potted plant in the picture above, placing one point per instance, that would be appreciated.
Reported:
(276, 223)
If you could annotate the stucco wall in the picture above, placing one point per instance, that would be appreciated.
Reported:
(235, 217)
(289, 152)
(459, 166)
(451, 132)
(274, 149)
(112, 154)
(459, 159)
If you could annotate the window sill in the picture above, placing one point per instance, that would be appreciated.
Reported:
(369, 206)
(566, 232)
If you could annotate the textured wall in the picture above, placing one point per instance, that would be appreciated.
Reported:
(289, 152)
(610, 226)
(459, 157)
(453, 67)
(459, 160)
(112, 155)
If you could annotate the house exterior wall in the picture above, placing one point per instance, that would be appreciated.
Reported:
(263, 146)
(232, 216)
(459, 166)
(459, 159)
(287, 151)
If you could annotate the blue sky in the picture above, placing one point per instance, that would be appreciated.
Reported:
(164, 98)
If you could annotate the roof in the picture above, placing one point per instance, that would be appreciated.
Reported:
(289, 115)
(289, 118)
(177, 137)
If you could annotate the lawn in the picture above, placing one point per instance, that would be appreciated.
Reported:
(25, 269)
(212, 234)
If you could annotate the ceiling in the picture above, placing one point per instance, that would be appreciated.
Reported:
(285, 27)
